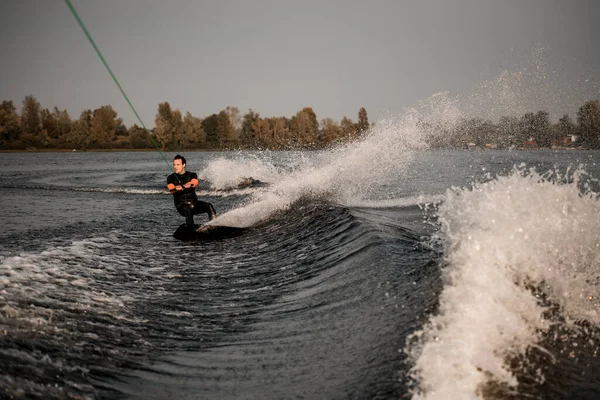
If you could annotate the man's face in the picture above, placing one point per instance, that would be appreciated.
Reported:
(178, 167)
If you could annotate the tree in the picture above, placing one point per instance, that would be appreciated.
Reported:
(234, 118)
(193, 133)
(588, 120)
(508, 131)
(49, 126)
(31, 123)
(348, 129)
(163, 122)
(210, 124)
(564, 130)
(330, 131)
(272, 133)
(262, 133)
(64, 124)
(79, 135)
(481, 132)
(247, 133)
(280, 126)
(362, 125)
(305, 128)
(55, 125)
(541, 129)
(121, 130)
(226, 131)
(526, 127)
(104, 126)
(9, 124)
(139, 138)
(178, 134)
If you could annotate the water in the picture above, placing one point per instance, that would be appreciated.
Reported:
(381, 270)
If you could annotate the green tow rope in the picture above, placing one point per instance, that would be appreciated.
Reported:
(70, 5)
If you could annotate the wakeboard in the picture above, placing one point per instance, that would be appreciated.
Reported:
(200, 232)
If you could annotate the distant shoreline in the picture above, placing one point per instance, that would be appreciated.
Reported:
(209, 151)
(98, 150)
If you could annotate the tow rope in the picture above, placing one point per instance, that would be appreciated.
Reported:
(87, 34)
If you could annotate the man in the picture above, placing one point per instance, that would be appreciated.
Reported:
(182, 184)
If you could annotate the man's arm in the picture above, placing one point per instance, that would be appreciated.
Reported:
(191, 184)
(176, 188)
(172, 188)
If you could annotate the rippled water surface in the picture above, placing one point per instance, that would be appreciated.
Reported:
(424, 274)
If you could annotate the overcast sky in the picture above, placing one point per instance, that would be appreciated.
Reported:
(278, 56)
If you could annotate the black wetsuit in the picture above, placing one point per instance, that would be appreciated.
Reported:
(186, 201)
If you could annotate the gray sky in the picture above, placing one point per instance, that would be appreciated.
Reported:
(277, 56)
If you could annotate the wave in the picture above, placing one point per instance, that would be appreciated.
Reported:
(507, 241)
(93, 306)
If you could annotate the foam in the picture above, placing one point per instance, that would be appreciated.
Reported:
(224, 173)
(39, 277)
(502, 236)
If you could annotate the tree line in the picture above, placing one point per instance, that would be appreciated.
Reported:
(102, 128)
(529, 130)
(41, 128)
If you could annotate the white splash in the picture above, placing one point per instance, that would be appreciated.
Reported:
(224, 173)
(502, 236)
(347, 175)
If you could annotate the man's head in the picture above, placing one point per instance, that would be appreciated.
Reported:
(179, 164)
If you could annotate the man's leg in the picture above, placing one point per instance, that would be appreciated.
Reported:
(187, 210)
(202, 207)
(189, 216)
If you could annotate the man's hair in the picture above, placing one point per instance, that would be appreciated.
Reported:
(178, 157)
